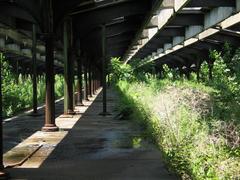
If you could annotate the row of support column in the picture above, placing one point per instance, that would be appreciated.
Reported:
(85, 71)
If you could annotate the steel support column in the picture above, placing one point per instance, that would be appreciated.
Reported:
(104, 69)
(17, 71)
(86, 82)
(68, 68)
(98, 80)
(94, 82)
(79, 82)
(34, 68)
(90, 80)
(198, 69)
(50, 96)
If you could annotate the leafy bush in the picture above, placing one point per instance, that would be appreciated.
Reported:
(120, 71)
(18, 96)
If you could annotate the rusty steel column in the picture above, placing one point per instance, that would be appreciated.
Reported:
(80, 83)
(34, 68)
(68, 68)
(94, 87)
(17, 71)
(86, 82)
(104, 69)
(98, 81)
(90, 79)
(50, 95)
(2, 173)
(92, 92)
(198, 69)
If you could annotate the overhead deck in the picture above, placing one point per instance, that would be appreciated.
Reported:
(193, 27)
(79, 37)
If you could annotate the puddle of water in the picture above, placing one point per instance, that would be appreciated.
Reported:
(118, 143)
(128, 142)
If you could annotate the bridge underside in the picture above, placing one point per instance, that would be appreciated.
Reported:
(79, 37)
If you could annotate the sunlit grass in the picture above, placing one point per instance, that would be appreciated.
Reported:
(180, 117)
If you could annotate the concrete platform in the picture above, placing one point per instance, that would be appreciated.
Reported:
(88, 146)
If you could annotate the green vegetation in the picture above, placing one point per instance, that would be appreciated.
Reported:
(195, 124)
(17, 90)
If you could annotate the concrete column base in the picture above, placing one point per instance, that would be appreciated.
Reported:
(50, 128)
(70, 112)
(79, 104)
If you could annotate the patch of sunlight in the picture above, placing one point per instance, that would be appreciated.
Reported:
(33, 151)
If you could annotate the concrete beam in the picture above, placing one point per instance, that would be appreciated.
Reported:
(11, 33)
(164, 16)
(144, 34)
(159, 51)
(192, 31)
(167, 4)
(154, 54)
(217, 15)
(167, 46)
(27, 52)
(221, 16)
(153, 22)
(179, 4)
(152, 32)
(13, 47)
(178, 40)
(237, 5)
(2, 42)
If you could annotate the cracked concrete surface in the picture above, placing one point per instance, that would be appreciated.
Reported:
(88, 146)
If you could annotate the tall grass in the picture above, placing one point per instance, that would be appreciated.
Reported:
(178, 118)
(195, 124)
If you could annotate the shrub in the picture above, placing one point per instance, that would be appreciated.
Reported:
(18, 96)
